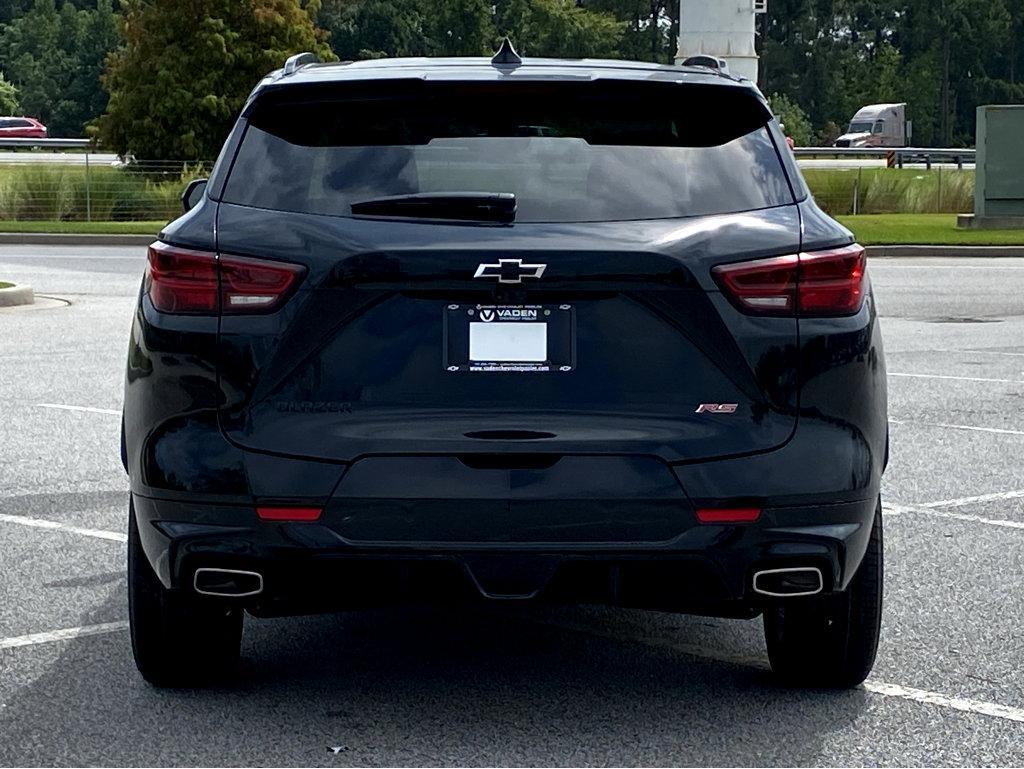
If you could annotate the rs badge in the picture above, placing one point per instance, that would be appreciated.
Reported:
(717, 408)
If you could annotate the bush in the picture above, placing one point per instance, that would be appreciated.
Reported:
(892, 190)
(33, 192)
(139, 192)
(794, 120)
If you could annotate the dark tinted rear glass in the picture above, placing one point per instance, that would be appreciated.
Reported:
(570, 152)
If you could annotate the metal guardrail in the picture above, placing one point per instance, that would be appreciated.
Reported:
(57, 144)
(895, 156)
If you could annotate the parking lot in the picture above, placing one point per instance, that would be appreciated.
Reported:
(508, 685)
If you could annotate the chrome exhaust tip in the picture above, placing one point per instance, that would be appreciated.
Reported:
(789, 583)
(227, 583)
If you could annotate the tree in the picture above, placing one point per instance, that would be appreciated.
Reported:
(8, 98)
(558, 28)
(370, 29)
(797, 125)
(362, 29)
(651, 27)
(180, 79)
(54, 56)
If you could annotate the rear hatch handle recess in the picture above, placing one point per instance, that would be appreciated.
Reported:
(497, 207)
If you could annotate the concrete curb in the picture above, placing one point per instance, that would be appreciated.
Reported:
(16, 295)
(963, 252)
(72, 239)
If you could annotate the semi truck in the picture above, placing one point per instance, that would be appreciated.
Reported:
(878, 125)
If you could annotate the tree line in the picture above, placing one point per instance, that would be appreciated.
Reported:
(165, 78)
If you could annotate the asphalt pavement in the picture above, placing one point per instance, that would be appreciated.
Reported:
(515, 686)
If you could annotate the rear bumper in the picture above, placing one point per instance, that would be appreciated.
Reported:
(310, 566)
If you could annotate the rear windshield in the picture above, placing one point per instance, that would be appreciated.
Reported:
(569, 152)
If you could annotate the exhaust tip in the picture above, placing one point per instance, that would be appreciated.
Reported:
(227, 583)
(789, 583)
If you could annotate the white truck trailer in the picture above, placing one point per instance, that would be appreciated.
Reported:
(878, 125)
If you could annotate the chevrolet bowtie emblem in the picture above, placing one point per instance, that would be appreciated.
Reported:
(510, 270)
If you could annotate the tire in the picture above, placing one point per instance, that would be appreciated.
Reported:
(831, 642)
(177, 640)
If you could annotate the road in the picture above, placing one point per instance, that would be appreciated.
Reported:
(513, 686)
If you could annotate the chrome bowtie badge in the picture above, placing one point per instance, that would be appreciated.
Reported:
(510, 270)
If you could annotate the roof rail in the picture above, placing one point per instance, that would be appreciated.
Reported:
(506, 55)
(293, 63)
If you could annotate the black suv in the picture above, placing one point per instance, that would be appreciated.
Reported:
(501, 330)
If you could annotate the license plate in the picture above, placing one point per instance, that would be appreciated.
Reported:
(509, 337)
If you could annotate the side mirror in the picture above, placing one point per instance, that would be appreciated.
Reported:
(193, 194)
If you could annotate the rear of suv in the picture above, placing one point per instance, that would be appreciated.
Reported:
(478, 330)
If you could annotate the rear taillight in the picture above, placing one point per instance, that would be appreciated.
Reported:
(817, 283)
(184, 281)
(832, 282)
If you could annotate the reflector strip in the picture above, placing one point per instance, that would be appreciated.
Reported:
(729, 515)
(288, 513)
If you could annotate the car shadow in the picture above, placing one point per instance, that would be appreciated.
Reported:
(412, 686)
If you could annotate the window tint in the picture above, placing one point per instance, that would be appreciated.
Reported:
(569, 152)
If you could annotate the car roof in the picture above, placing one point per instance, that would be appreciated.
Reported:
(482, 69)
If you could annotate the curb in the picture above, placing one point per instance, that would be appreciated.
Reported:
(939, 252)
(16, 295)
(72, 239)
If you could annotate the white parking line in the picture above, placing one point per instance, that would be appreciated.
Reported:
(972, 428)
(957, 378)
(998, 496)
(965, 517)
(964, 705)
(977, 352)
(39, 523)
(89, 409)
(956, 703)
(936, 510)
(62, 635)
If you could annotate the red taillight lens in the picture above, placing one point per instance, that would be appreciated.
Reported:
(764, 286)
(251, 285)
(819, 283)
(728, 515)
(288, 513)
(832, 282)
(183, 281)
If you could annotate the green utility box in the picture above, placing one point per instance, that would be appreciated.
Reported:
(999, 169)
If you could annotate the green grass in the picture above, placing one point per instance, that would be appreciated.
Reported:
(925, 230)
(86, 228)
(5, 285)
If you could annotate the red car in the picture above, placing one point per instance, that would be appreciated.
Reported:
(21, 128)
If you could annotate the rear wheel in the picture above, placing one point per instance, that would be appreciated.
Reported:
(831, 641)
(177, 640)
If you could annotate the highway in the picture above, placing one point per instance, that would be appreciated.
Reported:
(514, 685)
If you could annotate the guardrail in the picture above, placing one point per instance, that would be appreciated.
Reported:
(56, 144)
(896, 157)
